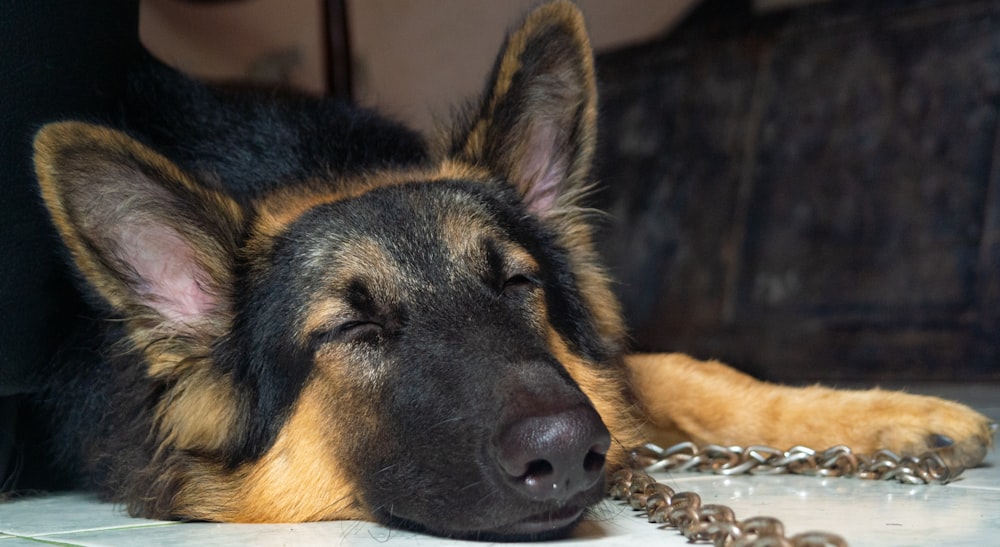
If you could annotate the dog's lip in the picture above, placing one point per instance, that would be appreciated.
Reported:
(544, 523)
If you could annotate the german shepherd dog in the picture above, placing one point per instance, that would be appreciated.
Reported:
(305, 312)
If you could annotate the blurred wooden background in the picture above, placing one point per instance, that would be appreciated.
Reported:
(812, 193)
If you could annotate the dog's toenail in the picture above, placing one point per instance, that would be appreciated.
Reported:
(941, 441)
(993, 427)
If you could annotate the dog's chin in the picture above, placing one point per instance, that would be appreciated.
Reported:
(541, 527)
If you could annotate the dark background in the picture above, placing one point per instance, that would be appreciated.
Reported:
(812, 194)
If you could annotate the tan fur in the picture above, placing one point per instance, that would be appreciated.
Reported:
(607, 390)
(323, 313)
(300, 478)
(368, 259)
(464, 235)
(708, 402)
(199, 412)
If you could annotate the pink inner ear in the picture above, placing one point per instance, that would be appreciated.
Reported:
(168, 272)
(542, 171)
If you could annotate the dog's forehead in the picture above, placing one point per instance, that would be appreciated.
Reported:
(403, 244)
(275, 212)
(401, 234)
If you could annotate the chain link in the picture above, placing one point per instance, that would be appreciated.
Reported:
(717, 524)
(837, 461)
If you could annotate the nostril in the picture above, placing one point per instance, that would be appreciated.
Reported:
(594, 460)
(539, 472)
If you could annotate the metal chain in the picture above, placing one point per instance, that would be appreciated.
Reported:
(838, 461)
(717, 524)
(707, 523)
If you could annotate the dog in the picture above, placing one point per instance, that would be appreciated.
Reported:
(303, 311)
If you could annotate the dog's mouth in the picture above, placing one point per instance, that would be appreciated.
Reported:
(555, 521)
(546, 525)
(543, 526)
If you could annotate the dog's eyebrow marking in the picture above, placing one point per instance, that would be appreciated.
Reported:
(364, 263)
(463, 232)
(492, 257)
(507, 258)
(484, 247)
(322, 314)
(471, 236)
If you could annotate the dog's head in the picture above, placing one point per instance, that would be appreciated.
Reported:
(429, 347)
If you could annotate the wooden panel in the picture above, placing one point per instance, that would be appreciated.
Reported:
(672, 124)
(812, 194)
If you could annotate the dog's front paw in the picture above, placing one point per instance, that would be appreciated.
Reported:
(914, 424)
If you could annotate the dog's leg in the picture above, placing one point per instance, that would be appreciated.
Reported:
(708, 402)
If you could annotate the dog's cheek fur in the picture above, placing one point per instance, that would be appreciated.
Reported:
(198, 413)
(606, 387)
(314, 469)
(305, 475)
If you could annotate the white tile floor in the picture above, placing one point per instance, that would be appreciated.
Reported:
(865, 513)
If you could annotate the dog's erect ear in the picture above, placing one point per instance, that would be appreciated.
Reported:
(536, 123)
(141, 231)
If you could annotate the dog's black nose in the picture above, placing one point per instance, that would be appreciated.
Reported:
(556, 456)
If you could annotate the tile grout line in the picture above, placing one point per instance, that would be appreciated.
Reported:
(41, 536)
(35, 539)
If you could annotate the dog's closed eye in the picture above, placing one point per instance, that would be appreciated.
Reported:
(519, 283)
(354, 330)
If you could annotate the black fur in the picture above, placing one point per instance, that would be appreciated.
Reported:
(252, 140)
